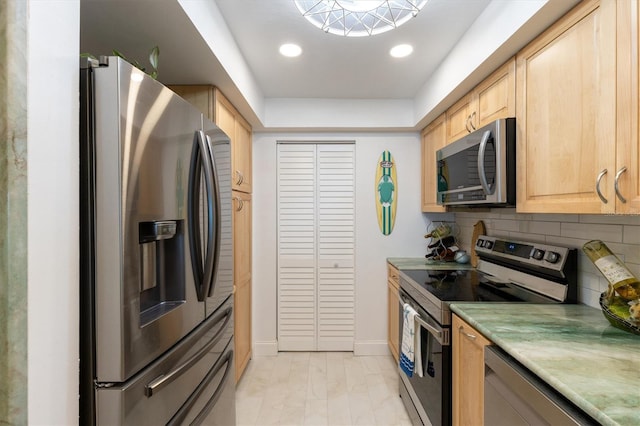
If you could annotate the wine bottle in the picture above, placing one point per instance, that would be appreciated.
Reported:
(440, 231)
(621, 279)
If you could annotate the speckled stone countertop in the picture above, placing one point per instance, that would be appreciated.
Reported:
(571, 347)
(419, 263)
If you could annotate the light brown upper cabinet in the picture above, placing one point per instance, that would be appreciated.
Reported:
(626, 179)
(433, 138)
(234, 125)
(217, 107)
(577, 113)
(493, 98)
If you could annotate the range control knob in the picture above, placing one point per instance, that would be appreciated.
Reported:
(552, 257)
(537, 254)
(480, 242)
(488, 244)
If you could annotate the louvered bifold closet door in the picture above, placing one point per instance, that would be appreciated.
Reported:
(297, 252)
(336, 231)
(316, 203)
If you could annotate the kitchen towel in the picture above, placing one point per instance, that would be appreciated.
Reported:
(410, 348)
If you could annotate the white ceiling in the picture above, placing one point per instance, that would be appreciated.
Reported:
(235, 47)
(332, 66)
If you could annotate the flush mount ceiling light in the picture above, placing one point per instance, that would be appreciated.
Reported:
(357, 18)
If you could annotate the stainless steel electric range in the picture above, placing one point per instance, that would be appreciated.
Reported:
(507, 271)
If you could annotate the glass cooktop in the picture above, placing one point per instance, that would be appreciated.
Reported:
(470, 286)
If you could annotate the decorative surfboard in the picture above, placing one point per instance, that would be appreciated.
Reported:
(386, 192)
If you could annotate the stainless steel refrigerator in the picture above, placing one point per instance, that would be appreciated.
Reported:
(156, 332)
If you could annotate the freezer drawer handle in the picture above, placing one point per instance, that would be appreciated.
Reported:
(179, 417)
(162, 381)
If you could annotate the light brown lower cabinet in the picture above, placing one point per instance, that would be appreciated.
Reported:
(468, 374)
(242, 280)
(393, 285)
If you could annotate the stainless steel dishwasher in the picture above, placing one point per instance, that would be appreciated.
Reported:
(515, 396)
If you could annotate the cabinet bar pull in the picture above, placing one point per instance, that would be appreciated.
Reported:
(469, 335)
(471, 120)
(615, 185)
(598, 179)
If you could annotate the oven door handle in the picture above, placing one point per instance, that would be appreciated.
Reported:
(441, 335)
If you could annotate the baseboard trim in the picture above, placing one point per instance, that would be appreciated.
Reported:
(269, 348)
(371, 348)
(362, 348)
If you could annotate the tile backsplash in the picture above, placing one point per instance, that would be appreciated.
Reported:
(621, 234)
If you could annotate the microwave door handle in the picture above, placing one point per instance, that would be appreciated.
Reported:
(481, 172)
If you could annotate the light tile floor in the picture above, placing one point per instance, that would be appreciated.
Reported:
(320, 388)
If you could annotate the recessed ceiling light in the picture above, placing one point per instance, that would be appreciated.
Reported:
(401, 50)
(290, 50)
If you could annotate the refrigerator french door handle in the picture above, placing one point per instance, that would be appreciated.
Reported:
(201, 159)
(179, 417)
(216, 219)
(162, 381)
(193, 216)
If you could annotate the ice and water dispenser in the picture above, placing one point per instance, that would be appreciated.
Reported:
(162, 285)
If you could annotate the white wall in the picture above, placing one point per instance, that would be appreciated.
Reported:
(372, 248)
(53, 31)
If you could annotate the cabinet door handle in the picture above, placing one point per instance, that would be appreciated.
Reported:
(615, 185)
(471, 117)
(466, 124)
(240, 203)
(240, 178)
(598, 179)
(468, 335)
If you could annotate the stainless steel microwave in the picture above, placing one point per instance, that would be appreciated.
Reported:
(479, 168)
